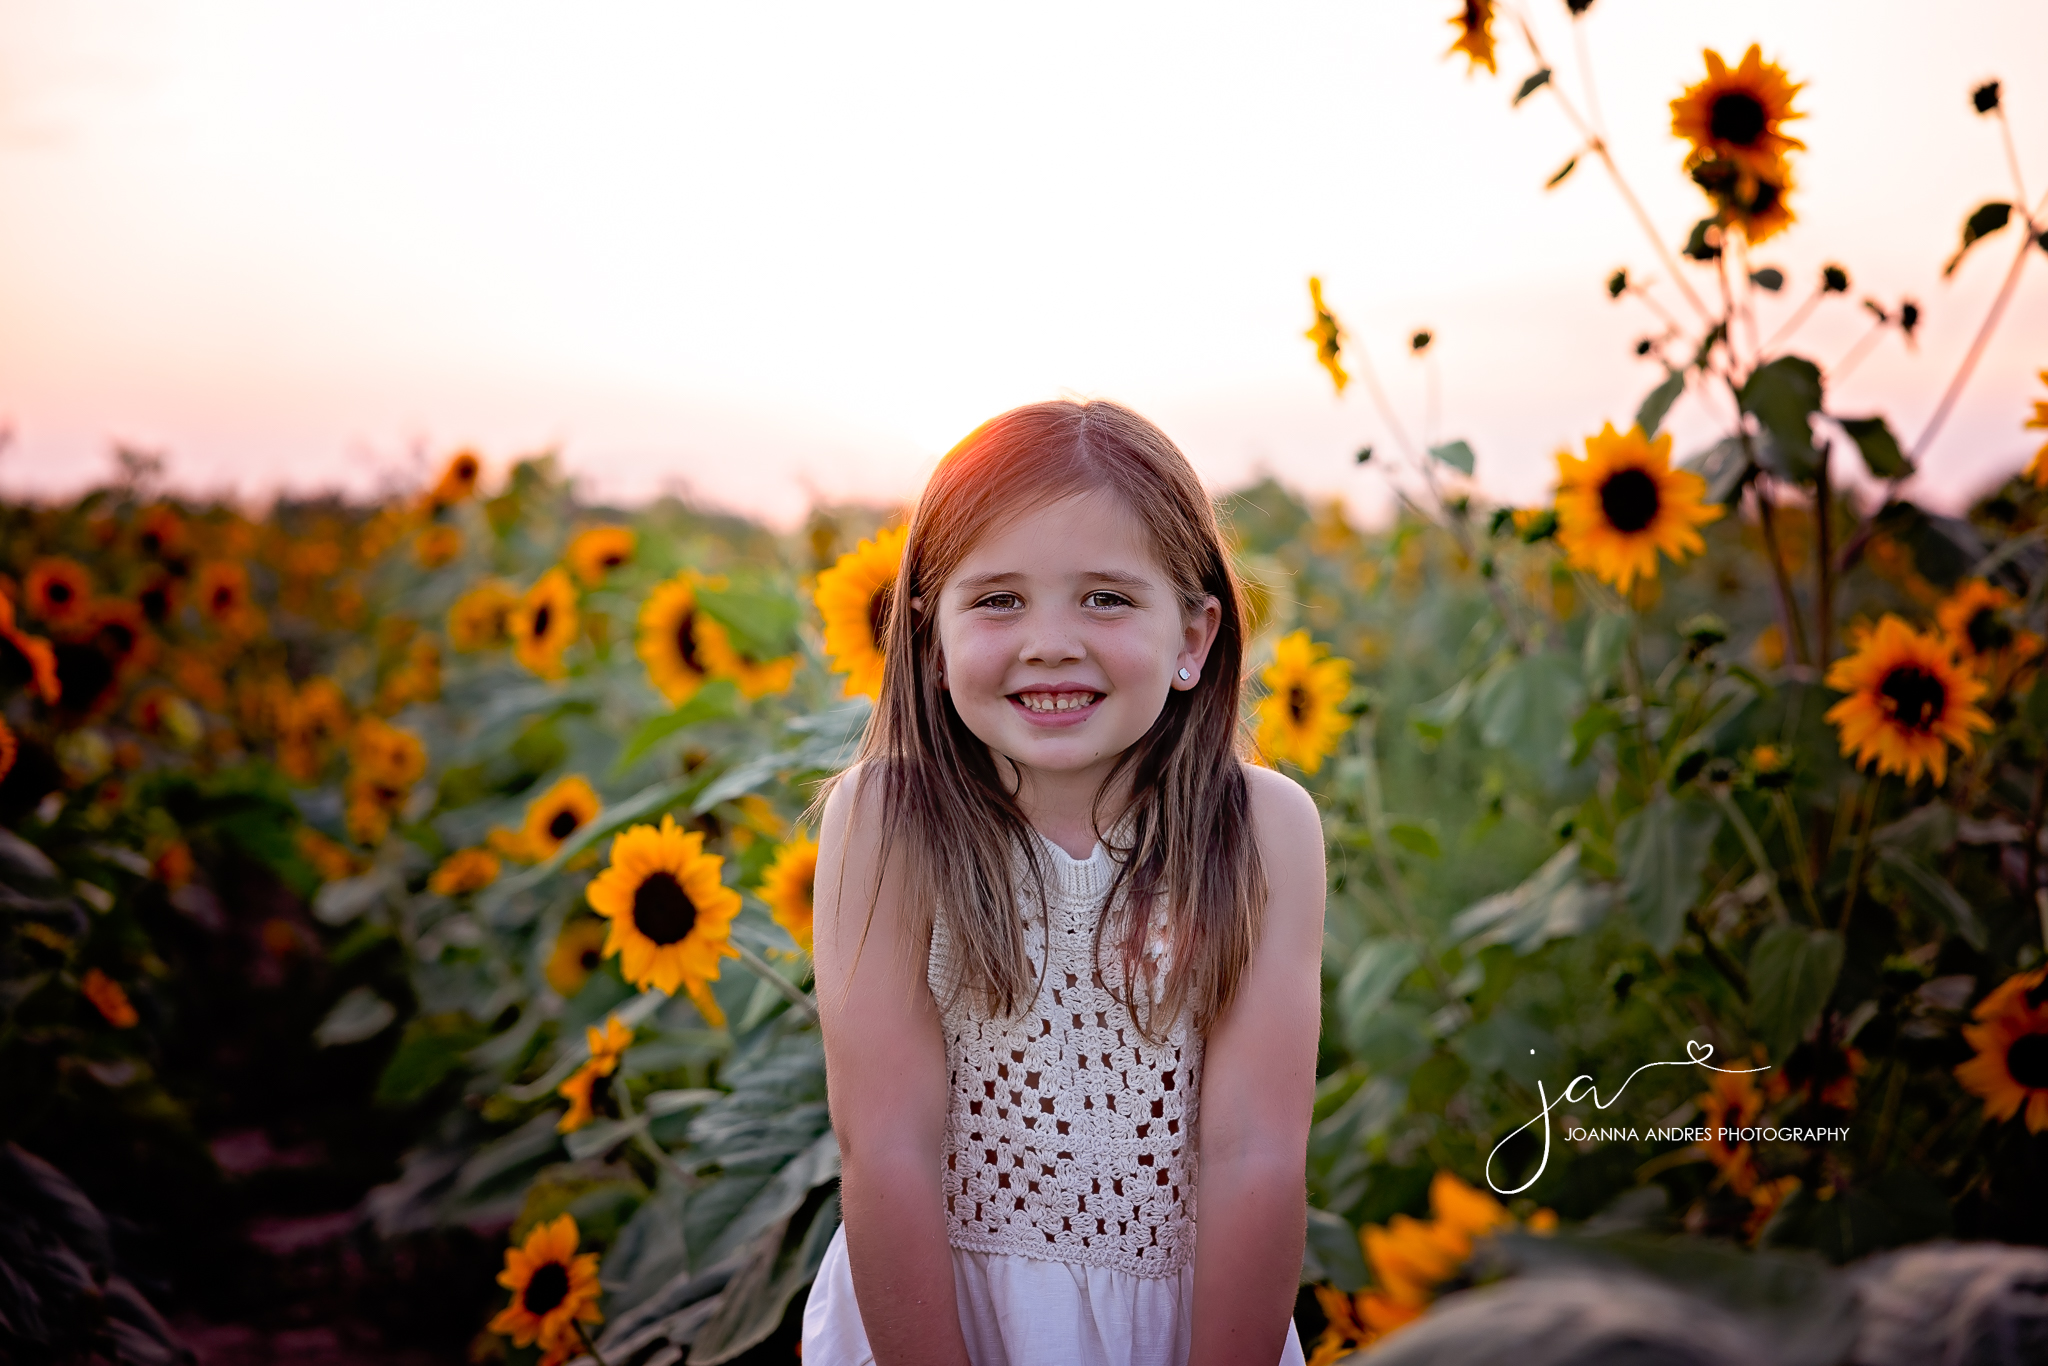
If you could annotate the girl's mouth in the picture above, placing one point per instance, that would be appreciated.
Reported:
(1064, 707)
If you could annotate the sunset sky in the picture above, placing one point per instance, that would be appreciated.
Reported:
(762, 253)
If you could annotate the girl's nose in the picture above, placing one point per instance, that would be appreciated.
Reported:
(1052, 641)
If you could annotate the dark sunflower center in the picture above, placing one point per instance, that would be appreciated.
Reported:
(151, 543)
(118, 639)
(541, 619)
(223, 598)
(156, 603)
(548, 1288)
(59, 592)
(1737, 118)
(878, 612)
(465, 470)
(1297, 704)
(1916, 696)
(1988, 632)
(612, 560)
(563, 824)
(1629, 498)
(686, 642)
(2027, 1060)
(588, 960)
(601, 1095)
(663, 911)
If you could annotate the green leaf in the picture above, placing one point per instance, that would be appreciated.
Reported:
(1525, 704)
(1984, 220)
(1596, 721)
(716, 700)
(1562, 172)
(1881, 453)
(1769, 278)
(1456, 454)
(1554, 902)
(431, 1049)
(1792, 973)
(762, 625)
(1375, 972)
(1663, 850)
(1605, 642)
(1530, 86)
(1333, 1253)
(1650, 416)
(1784, 395)
(1931, 892)
(1416, 838)
(360, 1015)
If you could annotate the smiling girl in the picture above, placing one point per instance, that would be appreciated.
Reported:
(1068, 941)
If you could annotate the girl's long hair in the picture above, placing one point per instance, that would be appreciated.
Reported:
(1183, 837)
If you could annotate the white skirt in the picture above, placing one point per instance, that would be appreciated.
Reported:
(1019, 1311)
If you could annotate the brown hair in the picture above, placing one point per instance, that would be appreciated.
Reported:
(945, 811)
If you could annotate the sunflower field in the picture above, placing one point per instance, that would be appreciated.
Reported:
(404, 911)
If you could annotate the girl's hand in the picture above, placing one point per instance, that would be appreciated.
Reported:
(885, 1067)
(1258, 1087)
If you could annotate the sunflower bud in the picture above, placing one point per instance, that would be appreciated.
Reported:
(1985, 97)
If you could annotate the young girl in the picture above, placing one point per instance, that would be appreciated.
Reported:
(1067, 942)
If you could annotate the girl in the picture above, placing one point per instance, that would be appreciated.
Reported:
(1067, 943)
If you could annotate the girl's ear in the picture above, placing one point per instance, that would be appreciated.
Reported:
(1197, 635)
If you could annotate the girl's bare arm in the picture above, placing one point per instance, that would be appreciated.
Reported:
(1258, 1086)
(885, 1067)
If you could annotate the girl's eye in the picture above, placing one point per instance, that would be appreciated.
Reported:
(1001, 602)
(1102, 598)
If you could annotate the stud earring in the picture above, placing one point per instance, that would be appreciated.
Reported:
(1185, 675)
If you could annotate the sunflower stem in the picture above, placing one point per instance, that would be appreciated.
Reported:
(1982, 339)
(1716, 955)
(1853, 357)
(1788, 606)
(1788, 820)
(1792, 324)
(1824, 604)
(588, 1345)
(1598, 146)
(1867, 821)
(791, 992)
(1747, 833)
(1367, 735)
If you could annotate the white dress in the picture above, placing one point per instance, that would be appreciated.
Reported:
(1070, 1164)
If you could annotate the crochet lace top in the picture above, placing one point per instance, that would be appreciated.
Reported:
(1069, 1137)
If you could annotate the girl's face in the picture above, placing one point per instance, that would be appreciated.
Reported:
(1061, 634)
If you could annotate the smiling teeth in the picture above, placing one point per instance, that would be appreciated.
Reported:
(1056, 701)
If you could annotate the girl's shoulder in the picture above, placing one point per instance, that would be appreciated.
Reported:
(1281, 807)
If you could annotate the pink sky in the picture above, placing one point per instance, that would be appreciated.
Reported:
(766, 252)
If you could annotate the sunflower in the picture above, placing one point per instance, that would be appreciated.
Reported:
(1730, 1103)
(1623, 503)
(544, 623)
(481, 619)
(595, 553)
(1978, 620)
(578, 949)
(9, 747)
(158, 598)
(787, 887)
(588, 1091)
(108, 999)
(1475, 36)
(671, 915)
(311, 721)
(465, 870)
(387, 753)
(1736, 115)
(723, 659)
(2037, 468)
(160, 532)
(38, 659)
(330, 860)
(58, 591)
(554, 1291)
(458, 480)
(1299, 719)
(1908, 701)
(1753, 205)
(555, 815)
(853, 597)
(437, 545)
(671, 639)
(2010, 1071)
(1328, 335)
(223, 596)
